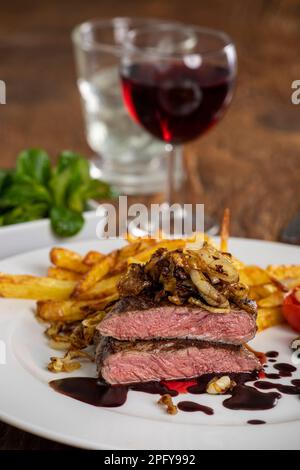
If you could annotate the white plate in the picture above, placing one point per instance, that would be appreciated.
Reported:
(27, 401)
(19, 238)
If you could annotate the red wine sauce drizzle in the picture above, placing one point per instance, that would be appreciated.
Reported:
(155, 388)
(191, 406)
(285, 389)
(273, 376)
(91, 391)
(272, 354)
(249, 398)
(243, 397)
(285, 370)
(203, 381)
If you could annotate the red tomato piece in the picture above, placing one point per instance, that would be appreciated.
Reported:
(291, 309)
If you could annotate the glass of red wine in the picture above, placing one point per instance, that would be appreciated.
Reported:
(177, 93)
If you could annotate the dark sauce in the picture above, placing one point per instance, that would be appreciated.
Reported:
(94, 392)
(256, 422)
(285, 389)
(285, 370)
(249, 398)
(272, 361)
(155, 388)
(191, 406)
(240, 378)
(296, 382)
(272, 376)
(91, 391)
(243, 397)
(272, 354)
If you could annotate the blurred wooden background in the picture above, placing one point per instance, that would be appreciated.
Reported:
(249, 162)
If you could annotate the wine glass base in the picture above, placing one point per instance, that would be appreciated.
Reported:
(134, 179)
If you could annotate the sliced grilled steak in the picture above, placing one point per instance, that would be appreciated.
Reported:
(121, 362)
(140, 318)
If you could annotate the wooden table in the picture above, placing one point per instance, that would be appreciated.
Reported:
(249, 162)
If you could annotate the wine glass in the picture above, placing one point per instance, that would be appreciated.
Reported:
(176, 93)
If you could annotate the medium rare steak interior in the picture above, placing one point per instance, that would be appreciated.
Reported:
(122, 362)
(134, 318)
(182, 314)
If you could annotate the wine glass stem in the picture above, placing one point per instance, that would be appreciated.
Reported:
(174, 164)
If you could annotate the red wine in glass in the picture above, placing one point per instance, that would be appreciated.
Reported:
(177, 81)
(174, 102)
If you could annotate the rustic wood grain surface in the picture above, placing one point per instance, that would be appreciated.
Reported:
(249, 162)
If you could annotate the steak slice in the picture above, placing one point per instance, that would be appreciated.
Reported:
(140, 318)
(122, 362)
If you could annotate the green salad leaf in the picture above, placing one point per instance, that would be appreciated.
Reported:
(34, 164)
(24, 213)
(5, 179)
(24, 193)
(35, 190)
(66, 223)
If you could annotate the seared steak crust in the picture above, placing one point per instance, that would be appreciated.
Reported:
(128, 303)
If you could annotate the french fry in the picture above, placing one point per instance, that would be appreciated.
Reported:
(63, 274)
(262, 291)
(36, 288)
(94, 275)
(288, 284)
(169, 244)
(69, 311)
(254, 276)
(225, 231)
(130, 250)
(93, 257)
(67, 259)
(267, 317)
(273, 300)
(46, 288)
(102, 289)
(288, 271)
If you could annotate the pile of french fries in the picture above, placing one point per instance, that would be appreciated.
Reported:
(268, 291)
(78, 290)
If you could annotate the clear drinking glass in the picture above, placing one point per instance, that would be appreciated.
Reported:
(126, 155)
(174, 93)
